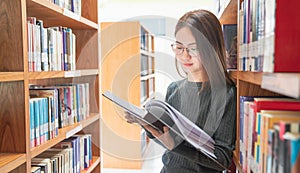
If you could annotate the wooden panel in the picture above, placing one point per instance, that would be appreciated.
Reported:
(120, 74)
(86, 49)
(89, 10)
(228, 13)
(12, 118)
(11, 56)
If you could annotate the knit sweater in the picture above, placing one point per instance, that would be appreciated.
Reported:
(187, 98)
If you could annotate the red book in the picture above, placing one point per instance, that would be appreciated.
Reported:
(286, 48)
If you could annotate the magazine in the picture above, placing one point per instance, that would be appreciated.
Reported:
(163, 114)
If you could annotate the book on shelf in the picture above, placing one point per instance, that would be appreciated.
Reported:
(293, 145)
(269, 118)
(158, 114)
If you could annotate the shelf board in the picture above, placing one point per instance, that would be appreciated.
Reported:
(251, 77)
(53, 15)
(95, 162)
(62, 74)
(11, 76)
(148, 53)
(228, 12)
(283, 83)
(10, 161)
(233, 74)
(64, 133)
(146, 77)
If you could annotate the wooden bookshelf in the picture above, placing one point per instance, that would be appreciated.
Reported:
(121, 73)
(15, 78)
(251, 83)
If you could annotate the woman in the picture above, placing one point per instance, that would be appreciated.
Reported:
(206, 96)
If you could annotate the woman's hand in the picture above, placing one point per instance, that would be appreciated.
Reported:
(164, 137)
(130, 118)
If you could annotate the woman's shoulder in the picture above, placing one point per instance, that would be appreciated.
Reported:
(175, 84)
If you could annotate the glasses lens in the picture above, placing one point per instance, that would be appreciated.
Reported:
(193, 51)
(177, 48)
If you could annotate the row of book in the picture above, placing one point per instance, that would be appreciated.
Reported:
(50, 49)
(72, 155)
(54, 107)
(71, 5)
(269, 133)
(146, 40)
(256, 35)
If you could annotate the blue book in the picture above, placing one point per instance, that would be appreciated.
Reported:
(31, 119)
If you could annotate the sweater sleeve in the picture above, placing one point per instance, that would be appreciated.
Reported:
(224, 137)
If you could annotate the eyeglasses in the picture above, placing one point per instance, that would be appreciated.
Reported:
(178, 49)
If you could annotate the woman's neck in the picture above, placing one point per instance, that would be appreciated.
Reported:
(197, 77)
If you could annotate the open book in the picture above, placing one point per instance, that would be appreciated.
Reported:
(162, 114)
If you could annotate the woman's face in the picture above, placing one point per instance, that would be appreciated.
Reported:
(190, 59)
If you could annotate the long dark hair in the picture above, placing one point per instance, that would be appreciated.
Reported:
(207, 31)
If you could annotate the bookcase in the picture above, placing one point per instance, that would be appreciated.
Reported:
(15, 78)
(127, 50)
(282, 78)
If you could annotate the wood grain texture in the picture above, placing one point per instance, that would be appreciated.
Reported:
(12, 118)
(53, 15)
(92, 12)
(10, 161)
(228, 13)
(11, 42)
(120, 68)
(87, 54)
(11, 76)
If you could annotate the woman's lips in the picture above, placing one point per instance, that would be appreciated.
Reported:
(187, 64)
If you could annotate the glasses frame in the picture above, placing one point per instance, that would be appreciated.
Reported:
(192, 51)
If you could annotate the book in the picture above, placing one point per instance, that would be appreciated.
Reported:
(294, 148)
(158, 114)
(269, 118)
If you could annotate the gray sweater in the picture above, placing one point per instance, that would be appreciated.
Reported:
(195, 105)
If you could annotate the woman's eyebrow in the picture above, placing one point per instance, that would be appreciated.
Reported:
(190, 44)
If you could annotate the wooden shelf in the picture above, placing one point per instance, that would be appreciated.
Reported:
(283, 83)
(64, 133)
(233, 74)
(148, 53)
(251, 77)
(146, 77)
(53, 15)
(228, 12)
(95, 162)
(10, 161)
(62, 74)
(11, 76)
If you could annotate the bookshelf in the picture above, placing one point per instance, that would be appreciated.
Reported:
(128, 71)
(281, 80)
(15, 78)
